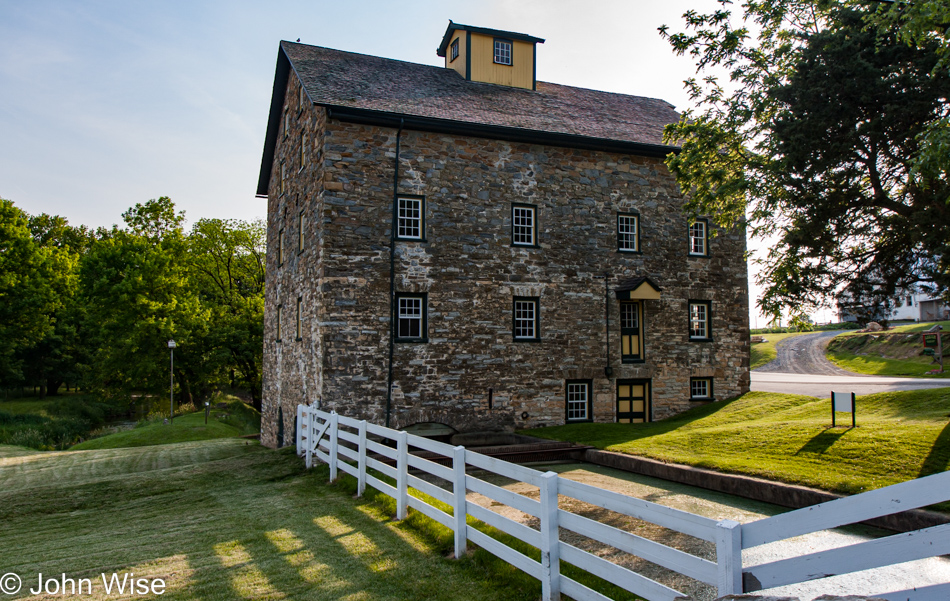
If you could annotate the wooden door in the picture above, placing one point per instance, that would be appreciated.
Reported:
(633, 401)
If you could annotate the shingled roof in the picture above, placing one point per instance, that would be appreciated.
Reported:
(364, 88)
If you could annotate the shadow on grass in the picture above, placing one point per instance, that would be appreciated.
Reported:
(938, 460)
(823, 441)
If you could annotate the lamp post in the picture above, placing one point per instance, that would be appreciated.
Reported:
(171, 386)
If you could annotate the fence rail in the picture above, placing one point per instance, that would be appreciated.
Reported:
(344, 444)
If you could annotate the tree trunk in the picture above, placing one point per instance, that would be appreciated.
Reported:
(53, 387)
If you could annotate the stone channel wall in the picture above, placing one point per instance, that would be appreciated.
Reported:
(470, 272)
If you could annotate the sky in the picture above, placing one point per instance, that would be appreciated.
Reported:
(105, 104)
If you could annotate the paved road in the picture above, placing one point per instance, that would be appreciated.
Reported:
(801, 368)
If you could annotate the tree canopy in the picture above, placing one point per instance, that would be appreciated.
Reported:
(823, 140)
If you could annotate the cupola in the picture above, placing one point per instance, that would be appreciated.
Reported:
(493, 56)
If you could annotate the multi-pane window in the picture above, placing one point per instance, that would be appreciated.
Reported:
(455, 49)
(698, 239)
(578, 401)
(503, 52)
(301, 230)
(628, 232)
(631, 339)
(699, 320)
(280, 311)
(280, 247)
(526, 318)
(411, 317)
(410, 216)
(700, 388)
(524, 225)
(297, 322)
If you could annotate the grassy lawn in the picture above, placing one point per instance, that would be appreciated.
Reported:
(236, 419)
(883, 366)
(221, 519)
(921, 327)
(900, 436)
(763, 352)
(890, 353)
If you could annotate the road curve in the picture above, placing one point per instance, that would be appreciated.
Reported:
(805, 354)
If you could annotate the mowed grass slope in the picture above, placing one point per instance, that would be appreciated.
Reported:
(900, 436)
(218, 519)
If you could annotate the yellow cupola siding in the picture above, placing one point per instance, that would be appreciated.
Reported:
(493, 56)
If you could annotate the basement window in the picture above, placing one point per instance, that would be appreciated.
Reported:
(700, 389)
(502, 52)
(578, 399)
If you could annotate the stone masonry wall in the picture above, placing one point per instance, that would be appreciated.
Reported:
(470, 272)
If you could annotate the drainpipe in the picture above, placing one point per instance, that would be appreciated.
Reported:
(608, 370)
(392, 280)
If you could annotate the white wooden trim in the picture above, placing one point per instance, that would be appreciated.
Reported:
(430, 467)
(334, 444)
(865, 506)
(402, 471)
(577, 591)
(622, 577)
(674, 519)
(349, 469)
(381, 431)
(728, 557)
(380, 486)
(375, 447)
(898, 548)
(430, 445)
(550, 550)
(459, 504)
(430, 511)
(321, 455)
(298, 444)
(512, 499)
(348, 452)
(348, 436)
(498, 466)
(361, 478)
(668, 557)
(386, 470)
(496, 520)
(349, 422)
(431, 489)
(504, 552)
(936, 592)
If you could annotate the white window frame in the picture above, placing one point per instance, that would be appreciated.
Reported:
(411, 308)
(409, 226)
(704, 387)
(700, 322)
(577, 397)
(524, 225)
(699, 238)
(628, 231)
(503, 52)
(526, 318)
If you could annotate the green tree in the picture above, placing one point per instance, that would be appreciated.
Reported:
(226, 267)
(817, 139)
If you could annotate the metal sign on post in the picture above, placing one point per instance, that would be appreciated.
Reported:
(844, 402)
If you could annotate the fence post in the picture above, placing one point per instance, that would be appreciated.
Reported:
(334, 426)
(299, 443)
(550, 541)
(459, 509)
(729, 557)
(308, 441)
(402, 475)
(361, 466)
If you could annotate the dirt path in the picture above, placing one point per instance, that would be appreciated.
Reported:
(805, 354)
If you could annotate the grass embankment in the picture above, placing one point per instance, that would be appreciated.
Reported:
(920, 327)
(229, 418)
(891, 353)
(900, 436)
(764, 352)
(51, 423)
(222, 519)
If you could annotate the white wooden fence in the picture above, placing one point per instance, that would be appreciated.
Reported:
(345, 445)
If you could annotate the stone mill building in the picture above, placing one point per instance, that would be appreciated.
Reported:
(465, 248)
